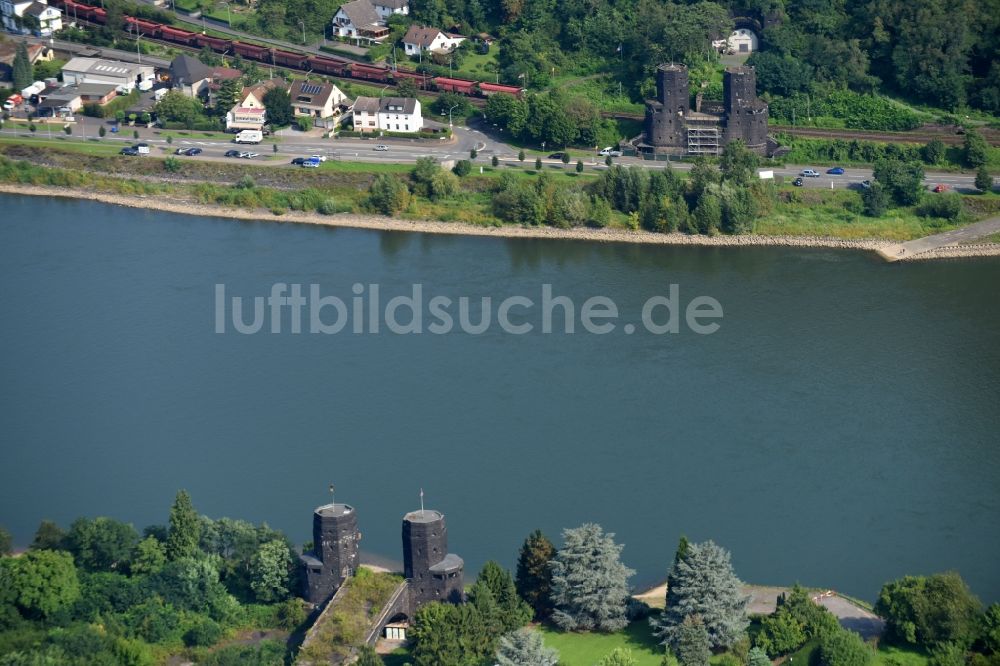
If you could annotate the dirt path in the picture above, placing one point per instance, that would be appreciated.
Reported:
(943, 242)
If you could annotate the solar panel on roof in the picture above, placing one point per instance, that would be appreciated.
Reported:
(311, 88)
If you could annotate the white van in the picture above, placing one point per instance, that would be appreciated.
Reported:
(143, 148)
(249, 136)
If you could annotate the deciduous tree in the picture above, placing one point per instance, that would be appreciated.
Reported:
(269, 571)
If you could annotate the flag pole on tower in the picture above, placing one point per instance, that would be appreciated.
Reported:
(331, 495)
(421, 502)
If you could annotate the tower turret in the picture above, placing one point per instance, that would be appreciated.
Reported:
(434, 574)
(334, 557)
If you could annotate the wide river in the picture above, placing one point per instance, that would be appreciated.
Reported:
(839, 429)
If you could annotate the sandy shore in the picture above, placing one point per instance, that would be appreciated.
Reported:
(381, 223)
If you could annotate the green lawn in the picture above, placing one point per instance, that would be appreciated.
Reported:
(585, 649)
(889, 655)
(474, 65)
(76, 143)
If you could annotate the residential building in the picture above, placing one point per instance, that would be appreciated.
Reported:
(741, 40)
(123, 75)
(421, 38)
(386, 8)
(8, 50)
(249, 113)
(359, 20)
(387, 114)
(196, 79)
(316, 99)
(31, 17)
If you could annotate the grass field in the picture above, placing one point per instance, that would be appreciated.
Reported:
(479, 66)
(889, 655)
(76, 144)
(585, 649)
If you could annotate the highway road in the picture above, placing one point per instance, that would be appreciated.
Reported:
(292, 143)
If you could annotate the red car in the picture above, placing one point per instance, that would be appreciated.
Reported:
(940, 188)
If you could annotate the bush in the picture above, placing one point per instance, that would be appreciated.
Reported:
(203, 633)
(984, 181)
(291, 614)
(844, 648)
(387, 195)
(495, 161)
(462, 168)
(947, 206)
(172, 165)
(101, 131)
(538, 164)
(875, 200)
(245, 183)
(305, 123)
(579, 166)
(327, 207)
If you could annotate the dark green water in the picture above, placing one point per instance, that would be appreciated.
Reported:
(840, 429)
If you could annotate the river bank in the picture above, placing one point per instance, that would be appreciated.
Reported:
(381, 223)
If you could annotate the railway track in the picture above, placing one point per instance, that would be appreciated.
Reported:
(947, 135)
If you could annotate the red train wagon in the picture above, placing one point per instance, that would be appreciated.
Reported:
(289, 59)
(252, 51)
(217, 44)
(460, 86)
(370, 73)
(423, 81)
(98, 15)
(145, 28)
(494, 88)
(323, 65)
(177, 36)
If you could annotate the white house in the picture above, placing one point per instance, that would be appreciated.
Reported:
(248, 112)
(386, 8)
(31, 17)
(359, 20)
(421, 38)
(316, 99)
(387, 114)
(124, 75)
(740, 40)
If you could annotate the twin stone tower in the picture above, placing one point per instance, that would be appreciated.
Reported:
(431, 572)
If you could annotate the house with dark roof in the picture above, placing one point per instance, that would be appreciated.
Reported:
(386, 8)
(317, 99)
(387, 114)
(31, 17)
(420, 38)
(195, 79)
(359, 20)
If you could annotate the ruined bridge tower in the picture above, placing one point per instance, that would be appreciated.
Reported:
(432, 572)
(334, 557)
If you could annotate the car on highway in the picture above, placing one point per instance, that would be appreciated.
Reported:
(939, 188)
(191, 152)
(298, 161)
(798, 182)
(809, 173)
(381, 147)
(835, 171)
(318, 158)
(311, 163)
(249, 156)
(232, 153)
(556, 156)
(610, 152)
(128, 150)
(181, 151)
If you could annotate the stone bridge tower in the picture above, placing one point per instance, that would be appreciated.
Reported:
(432, 572)
(666, 115)
(334, 557)
(746, 116)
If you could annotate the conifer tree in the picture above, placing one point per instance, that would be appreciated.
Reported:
(21, 73)
(525, 647)
(534, 577)
(185, 528)
(693, 642)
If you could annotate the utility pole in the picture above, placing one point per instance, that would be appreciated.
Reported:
(303, 24)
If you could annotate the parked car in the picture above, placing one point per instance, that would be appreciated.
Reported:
(318, 158)
(128, 150)
(809, 173)
(191, 152)
(835, 171)
(232, 153)
(249, 156)
(610, 151)
(298, 161)
(556, 156)
(381, 147)
(798, 182)
(939, 188)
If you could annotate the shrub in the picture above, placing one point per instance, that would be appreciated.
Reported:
(245, 183)
(172, 165)
(327, 207)
(984, 181)
(473, 154)
(947, 206)
(495, 161)
(387, 195)
(579, 166)
(462, 168)
(204, 632)
(101, 131)
(520, 156)
(305, 123)
(844, 648)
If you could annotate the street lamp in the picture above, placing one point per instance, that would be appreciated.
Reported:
(451, 124)
(303, 24)
(382, 91)
(229, 16)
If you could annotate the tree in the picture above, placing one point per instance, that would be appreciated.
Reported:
(933, 152)
(704, 584)
(928, 611)
(903, 180)
(520, 155)
(48, 536)
(708, 213)
(177, 107)
(6, 542)
(538, 164)
(875, 199)
(534, 576)
(269, 571)
(507, 112)
(976, 149)
(990, 635)
(525, 647)
(693, 642)
(135, 134)
(41, 582)
(406, 88)
(579, 166)
(618, 657)
(844, 648)
(449, 634)
(228, 95)
(738, 163)
(473, 154)
(101, 131)
(589, 581)
(780, 633)
(495, 161)
(185, 528)
(387, 195)
(278, 105)
(512, 611)
(462, 168)
(150, 556)
(565, 157)
(21, 69)
(101, 544)
(758, 657)
(984, 181)
(367, 656)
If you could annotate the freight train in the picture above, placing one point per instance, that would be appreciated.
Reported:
(331, 66)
